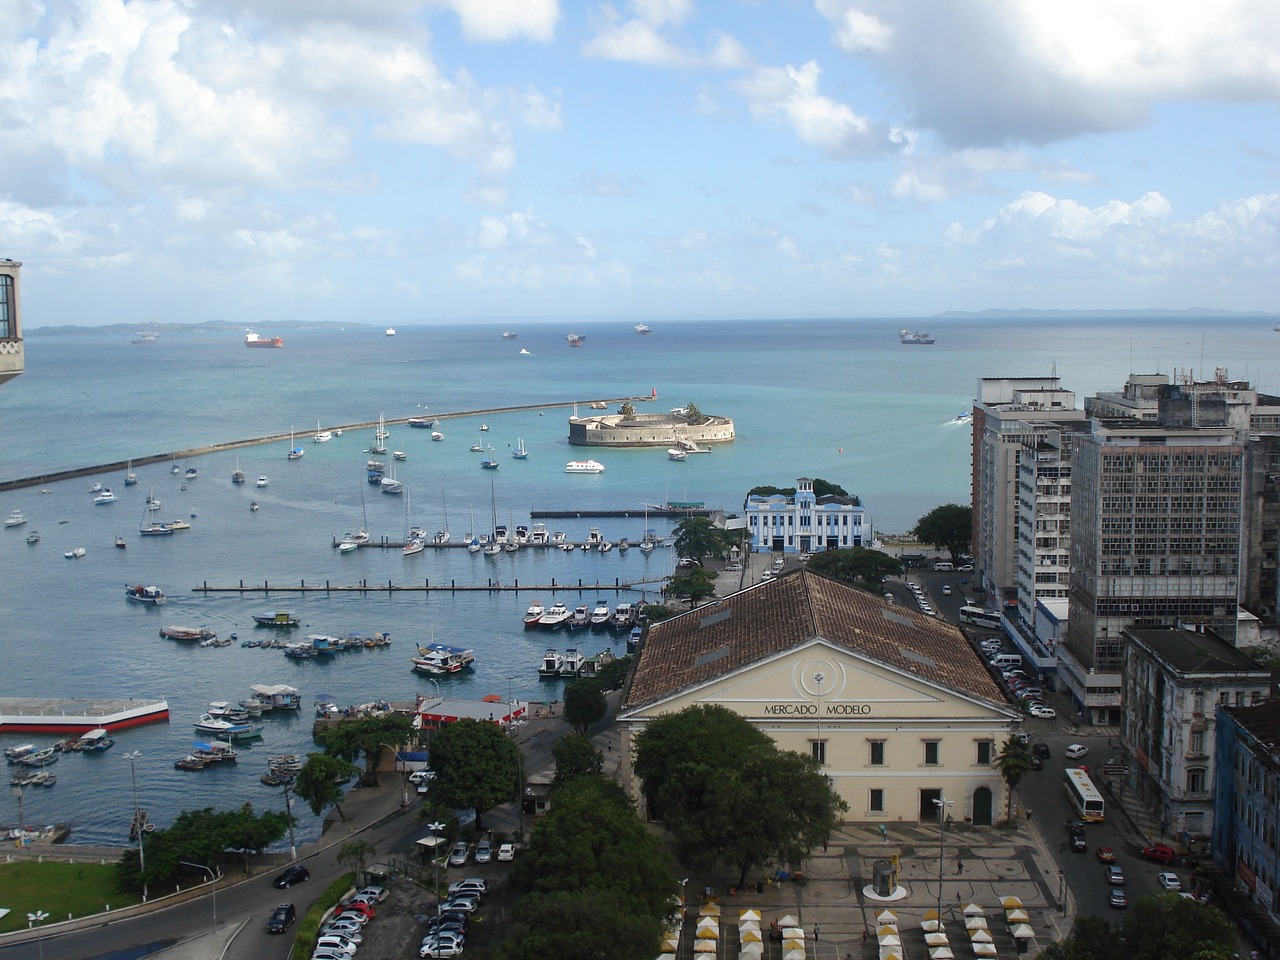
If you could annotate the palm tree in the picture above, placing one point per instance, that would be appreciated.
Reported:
(354, 854)
(1013, 762)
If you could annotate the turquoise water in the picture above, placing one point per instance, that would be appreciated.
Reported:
(841, 401)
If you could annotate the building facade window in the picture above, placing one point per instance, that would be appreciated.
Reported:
(986, 751)
(819, 750)
(877, 753)
(931, 753)
(1195, 780)
(876, 801)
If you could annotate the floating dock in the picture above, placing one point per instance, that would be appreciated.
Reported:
(55, 715)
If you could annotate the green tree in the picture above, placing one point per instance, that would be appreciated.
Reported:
(587, 924)
(628, 410)
(477, 766)
(821, 488)
(613, 675)
(858, 566)
(575, 757)
(692, 583)
(1013, 762)
(354, 853)
(728, 794)
(584, 704)
(321, 780)
(368, 736)
(1162, 926)
(698, 537)
(202, 835)
(948, 527)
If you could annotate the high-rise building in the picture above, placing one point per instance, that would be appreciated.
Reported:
(11, 354)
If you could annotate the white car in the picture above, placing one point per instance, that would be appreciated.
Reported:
(470, 885)
(1169, 881)
(335, 942)
(421, 776)
(1041, 712)
(506, 852)
(1076, 751)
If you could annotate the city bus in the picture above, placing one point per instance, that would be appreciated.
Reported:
(1084, 796)
(980, 617)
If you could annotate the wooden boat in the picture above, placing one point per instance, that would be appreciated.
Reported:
(187, 633)
(189, 763)
(281, 620)
(141, 594)
(95, 741)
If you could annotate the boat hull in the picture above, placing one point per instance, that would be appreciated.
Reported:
(20, 715)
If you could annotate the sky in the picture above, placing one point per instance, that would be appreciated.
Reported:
(419, 161)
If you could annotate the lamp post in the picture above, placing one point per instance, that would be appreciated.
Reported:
(137, 819)
(435, 829)
(37, 918)
(942, 805)
(213, 885)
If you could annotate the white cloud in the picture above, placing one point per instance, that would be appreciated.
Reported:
(640, 38)
(506, 19)
(1012, 70)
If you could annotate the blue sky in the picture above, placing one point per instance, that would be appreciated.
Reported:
(440, 160)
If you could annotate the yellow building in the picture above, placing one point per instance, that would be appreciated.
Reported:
(897, 706)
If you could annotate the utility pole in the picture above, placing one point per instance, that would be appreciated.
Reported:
(288, 809)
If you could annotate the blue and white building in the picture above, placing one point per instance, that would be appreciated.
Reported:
(804, 523)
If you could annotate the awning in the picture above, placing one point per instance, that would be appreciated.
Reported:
(980, 936)
(984, 949)
(706, 946)
(887, 929)
(935, 939)
(751, 951)
(1023, 931)
(975, 923)
(709, 909)
(941, 953)
(1008, 902)
(750, 936)
(973, 910)
(749, 915)
(886, 916)
(1017, 915)
(890, 940)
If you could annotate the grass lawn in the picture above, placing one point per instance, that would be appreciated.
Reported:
(57, 889)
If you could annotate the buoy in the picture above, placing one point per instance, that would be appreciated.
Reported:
(841, 450)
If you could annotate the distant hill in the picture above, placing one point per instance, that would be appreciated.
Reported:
(209, 326)
(1093, 314)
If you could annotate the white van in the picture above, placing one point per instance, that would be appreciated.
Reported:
(944, 565)
(1005, 661)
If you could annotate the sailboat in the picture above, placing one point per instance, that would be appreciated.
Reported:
(520, 453)
(130, 478)
(322, 436)
(237, 475)
(379, 435)
(361, 535)
(391, 484)
(442, 536)
(149, 529)
(295, 451)
(490, 462)
(415, 540)
(649, 540)
(473, 543)
(493, 547)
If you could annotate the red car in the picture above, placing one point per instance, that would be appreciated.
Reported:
(1106, 855)
(358, 905)
(1160, 853)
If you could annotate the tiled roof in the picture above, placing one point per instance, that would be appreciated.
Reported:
(771, 617)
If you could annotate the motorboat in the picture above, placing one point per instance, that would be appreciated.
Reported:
(39, 758)
(533, 614)
(521, 534)
(75, 553)
(441, 537)
(437, 658)
(551, 661)
(557, 538)
(624, 616)
(580, 619)
(600, 615)
(437, 435)
(15, 519)
(538, 534)
(676, 454)
(96, 487)
(106, 496)
(571, 663)
(261, 481)
(391, 332)
(399, 455)
(605, 546)
(187, 633)
(280, 619)
(208, 723)
(141, 594)
(33, 536)
(584, 466)
(120, 544)
(593, 539)
(555, 616)
(642, 329)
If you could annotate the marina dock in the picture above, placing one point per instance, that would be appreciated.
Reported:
(58, 715)
(266, 587)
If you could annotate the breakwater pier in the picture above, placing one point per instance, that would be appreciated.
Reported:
(176, 455)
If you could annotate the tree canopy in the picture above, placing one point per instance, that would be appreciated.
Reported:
(698, 537)
(692, 583)
(821, 488)
(321, 781)
(477, 766)
(729, 795)
(1162, 926)
(593, 881)
(948, 527)
(857, 566)
(368, 736)
(584, 704)
(575, 757)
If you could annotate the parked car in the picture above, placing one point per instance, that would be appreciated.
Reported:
(440, 950)
(1041, 712)
(281, 918)
(337, 942)
(460, 854)
(506, 852)
(295, 874)
(484, 851)
(1118, 900)
(444, 937)
(471, 885)
(1169, 881)
(461, 904)
(363, 906)
(347, 931)
(1076, 751)
(352, 916)
(1106, 855)
(421, 776)
(330, 954)
(1160, 853)
(372, 894)
(1040, 750)
(1115, 876)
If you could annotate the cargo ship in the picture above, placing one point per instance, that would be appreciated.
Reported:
(253, 340)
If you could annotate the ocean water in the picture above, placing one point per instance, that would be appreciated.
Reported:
(839, 400)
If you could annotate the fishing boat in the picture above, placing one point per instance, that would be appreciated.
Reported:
(15, 753)
(321, 436)
(440, 658)
(533, 614)
(280, 620)
(520, 453)
(237, 475)
(141, 594)
(106, 496)
(584, 466)
(189, 763)
(15, 519)
(913, 337)
(295, 451)
(39, 758)
(187, 633)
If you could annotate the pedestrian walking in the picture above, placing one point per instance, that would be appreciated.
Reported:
(959, 867)
(816, 931)
(865, 932)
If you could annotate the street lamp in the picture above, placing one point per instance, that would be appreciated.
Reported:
(942, 805)
(38, 918)
(213, 885)
(435, 829)
(137, 820)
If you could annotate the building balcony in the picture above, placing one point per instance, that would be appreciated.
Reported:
(12, 360)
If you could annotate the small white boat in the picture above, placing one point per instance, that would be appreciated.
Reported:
(477, 448)
(348, 546)
(391, 331)
(262, 481)
(15, 519)
(95, 487)
(153, 503)
(675, 453)
(399, 455)
(584, 466)
(74, 554)
(555, 616)
(106, 496)
(437, 435)
(253, 506)
(525, 353)
(533, 615)
(484, 428)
